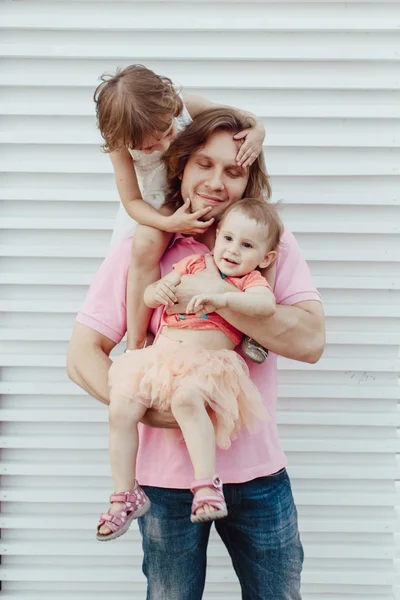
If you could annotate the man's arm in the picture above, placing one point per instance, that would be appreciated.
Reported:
(296, 331)
(88, 363)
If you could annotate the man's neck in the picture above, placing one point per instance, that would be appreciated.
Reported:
(208, 237)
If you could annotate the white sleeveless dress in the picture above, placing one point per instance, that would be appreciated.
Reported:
(151, 176)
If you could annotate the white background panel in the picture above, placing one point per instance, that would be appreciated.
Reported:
(324, 78)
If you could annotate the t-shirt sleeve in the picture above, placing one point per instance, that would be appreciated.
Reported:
(293, 281)
(187, 265)
(254, 279)
(104, 308)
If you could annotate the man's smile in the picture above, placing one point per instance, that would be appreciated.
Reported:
(211, 199)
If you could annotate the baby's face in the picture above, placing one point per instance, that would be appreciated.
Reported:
(159, 141)
(241, 245)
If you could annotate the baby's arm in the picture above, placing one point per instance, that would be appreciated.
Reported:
(163, 291)
(257, 301)
(253, 137)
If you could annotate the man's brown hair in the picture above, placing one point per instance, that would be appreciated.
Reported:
(263, 213)
(195, 136)
(133, 104)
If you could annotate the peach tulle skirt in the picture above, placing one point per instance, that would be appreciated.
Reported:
(219, 377)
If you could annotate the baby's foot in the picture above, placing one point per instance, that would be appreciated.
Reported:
(206, 508)
(126, 506)
(115, 507)
(208, 502)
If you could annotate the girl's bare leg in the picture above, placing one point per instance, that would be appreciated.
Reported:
(198, 431)
(148, 246)
(124, 416)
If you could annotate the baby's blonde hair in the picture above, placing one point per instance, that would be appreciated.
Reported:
(262, 212)
(133, 104)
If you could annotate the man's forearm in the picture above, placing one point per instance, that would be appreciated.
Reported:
(89, 369)
(292, 331)
(256, 305)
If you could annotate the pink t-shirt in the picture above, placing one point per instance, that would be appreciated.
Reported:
(164, 463)
(195, 264)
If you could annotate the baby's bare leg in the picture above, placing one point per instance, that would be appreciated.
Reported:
(124, 416)
(191, 415)
(148, 246)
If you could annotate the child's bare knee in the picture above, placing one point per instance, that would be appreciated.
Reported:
(186, 401)
(123, 409)
(142, 250)
(148, 245)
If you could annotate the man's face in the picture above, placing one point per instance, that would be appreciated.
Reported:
(212, 177)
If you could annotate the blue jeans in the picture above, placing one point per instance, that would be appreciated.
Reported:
(260, 534)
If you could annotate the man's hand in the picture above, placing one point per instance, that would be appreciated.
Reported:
(193, 285)
(202, 304)
(164, 420)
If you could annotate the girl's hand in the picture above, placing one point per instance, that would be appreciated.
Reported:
(183, 221)
(165, 293)
(202, 304)
(251, 147)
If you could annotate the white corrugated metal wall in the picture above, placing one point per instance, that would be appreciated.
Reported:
(324, 76)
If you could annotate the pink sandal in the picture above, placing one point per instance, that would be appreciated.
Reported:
(217, 502)
(136, 504)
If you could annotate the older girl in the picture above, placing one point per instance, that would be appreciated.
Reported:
(139, 113)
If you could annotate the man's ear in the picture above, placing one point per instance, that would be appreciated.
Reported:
(268, 260)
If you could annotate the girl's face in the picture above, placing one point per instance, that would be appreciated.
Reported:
(160, 141)
(241, 245)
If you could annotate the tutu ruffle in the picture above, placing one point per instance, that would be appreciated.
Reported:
(220, 377)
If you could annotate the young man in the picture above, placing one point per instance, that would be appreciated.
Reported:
(260, 532)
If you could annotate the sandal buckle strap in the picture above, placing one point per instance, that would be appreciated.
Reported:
(214, 482)
(132, 500)
(217, 501)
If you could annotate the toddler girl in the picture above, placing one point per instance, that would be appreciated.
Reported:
(139, 113)
(192, 369)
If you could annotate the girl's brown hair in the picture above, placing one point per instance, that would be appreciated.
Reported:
(263, 213)
(133, 104)
(195, 136)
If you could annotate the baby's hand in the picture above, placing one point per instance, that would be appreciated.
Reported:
(202, 304)
(252, 145)
(183, 221)
(165, 292)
